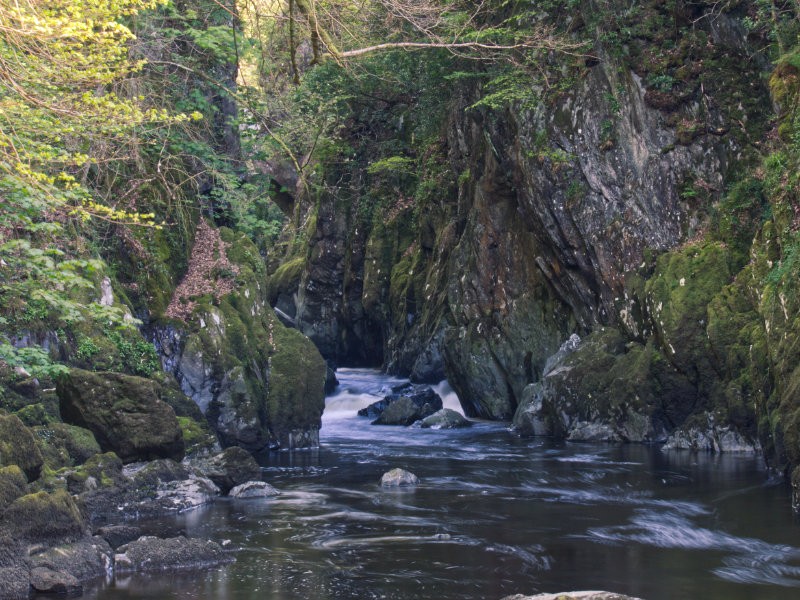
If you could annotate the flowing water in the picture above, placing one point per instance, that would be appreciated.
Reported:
(493, 515)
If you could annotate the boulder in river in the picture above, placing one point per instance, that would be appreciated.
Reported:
(44, 517)
(420, 395)
(588, 595)
(231, 467)
(88, 558)
(445, 418)
(399, 478)
(150, 553)
(48, 581)
(253, 489)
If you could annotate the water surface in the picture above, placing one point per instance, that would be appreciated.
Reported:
(493, 515)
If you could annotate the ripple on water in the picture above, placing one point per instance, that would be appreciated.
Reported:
(752, 560)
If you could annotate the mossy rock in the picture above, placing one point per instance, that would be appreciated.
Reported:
(51, 518)
(13, 484)
(123, 412)
(66, 445)
(611, 380)
(296, 396)
(678, 294)
(196, 435)
(18, 447)
(35, 414)
(170, 392)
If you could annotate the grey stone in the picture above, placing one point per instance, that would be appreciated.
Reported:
(48, 581)
(399, 478)
(445, 418)
(156, 554)
(253, 489)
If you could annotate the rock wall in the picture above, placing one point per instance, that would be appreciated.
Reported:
(528, 224)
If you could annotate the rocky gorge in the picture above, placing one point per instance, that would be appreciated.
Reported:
(595, 241)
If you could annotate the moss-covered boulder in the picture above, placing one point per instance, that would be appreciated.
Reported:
(18, 447)
(296, 395)
(608, 389)
(66, 445)
(51, 518)
(123, 412)
(258, 383)
(12, 485)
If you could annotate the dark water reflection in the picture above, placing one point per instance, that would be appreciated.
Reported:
(493, 515)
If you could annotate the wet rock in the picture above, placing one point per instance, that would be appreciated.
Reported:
(423, 398)
(445, 418)
(606, 389)
(48, 581)
(709, 436)
(573, 596)
(43, 517)
(149, 490)
(231, 467)
(123, 412)
(86, 559)
(257, 390)
(119, 535)
(18, 447)
(399, 478)
(404, 411)
(253, 489)
(156, 554)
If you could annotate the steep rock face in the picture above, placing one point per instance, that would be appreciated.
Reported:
(545, 221)
(258, 383)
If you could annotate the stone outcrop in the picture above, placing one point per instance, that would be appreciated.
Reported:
(150, 553)
(124, 413)
(259, 384)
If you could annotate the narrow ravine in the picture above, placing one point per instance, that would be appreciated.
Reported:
(493, 515)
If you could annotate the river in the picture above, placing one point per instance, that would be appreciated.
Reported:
(492, 515)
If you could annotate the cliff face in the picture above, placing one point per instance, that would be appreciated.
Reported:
(626, 203)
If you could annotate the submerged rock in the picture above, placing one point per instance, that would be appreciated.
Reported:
(253, 489)
(445, 418)
(156, 554)
(399, 478)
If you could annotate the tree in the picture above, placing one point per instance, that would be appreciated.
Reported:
(62, 123)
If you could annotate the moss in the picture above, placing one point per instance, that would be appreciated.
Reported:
(296, 382)
(196, 435)
(12, 485)
(286, 277)
(65, 445)
(35, 414)
(18, 447)
(678, 293)
(45, 517)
